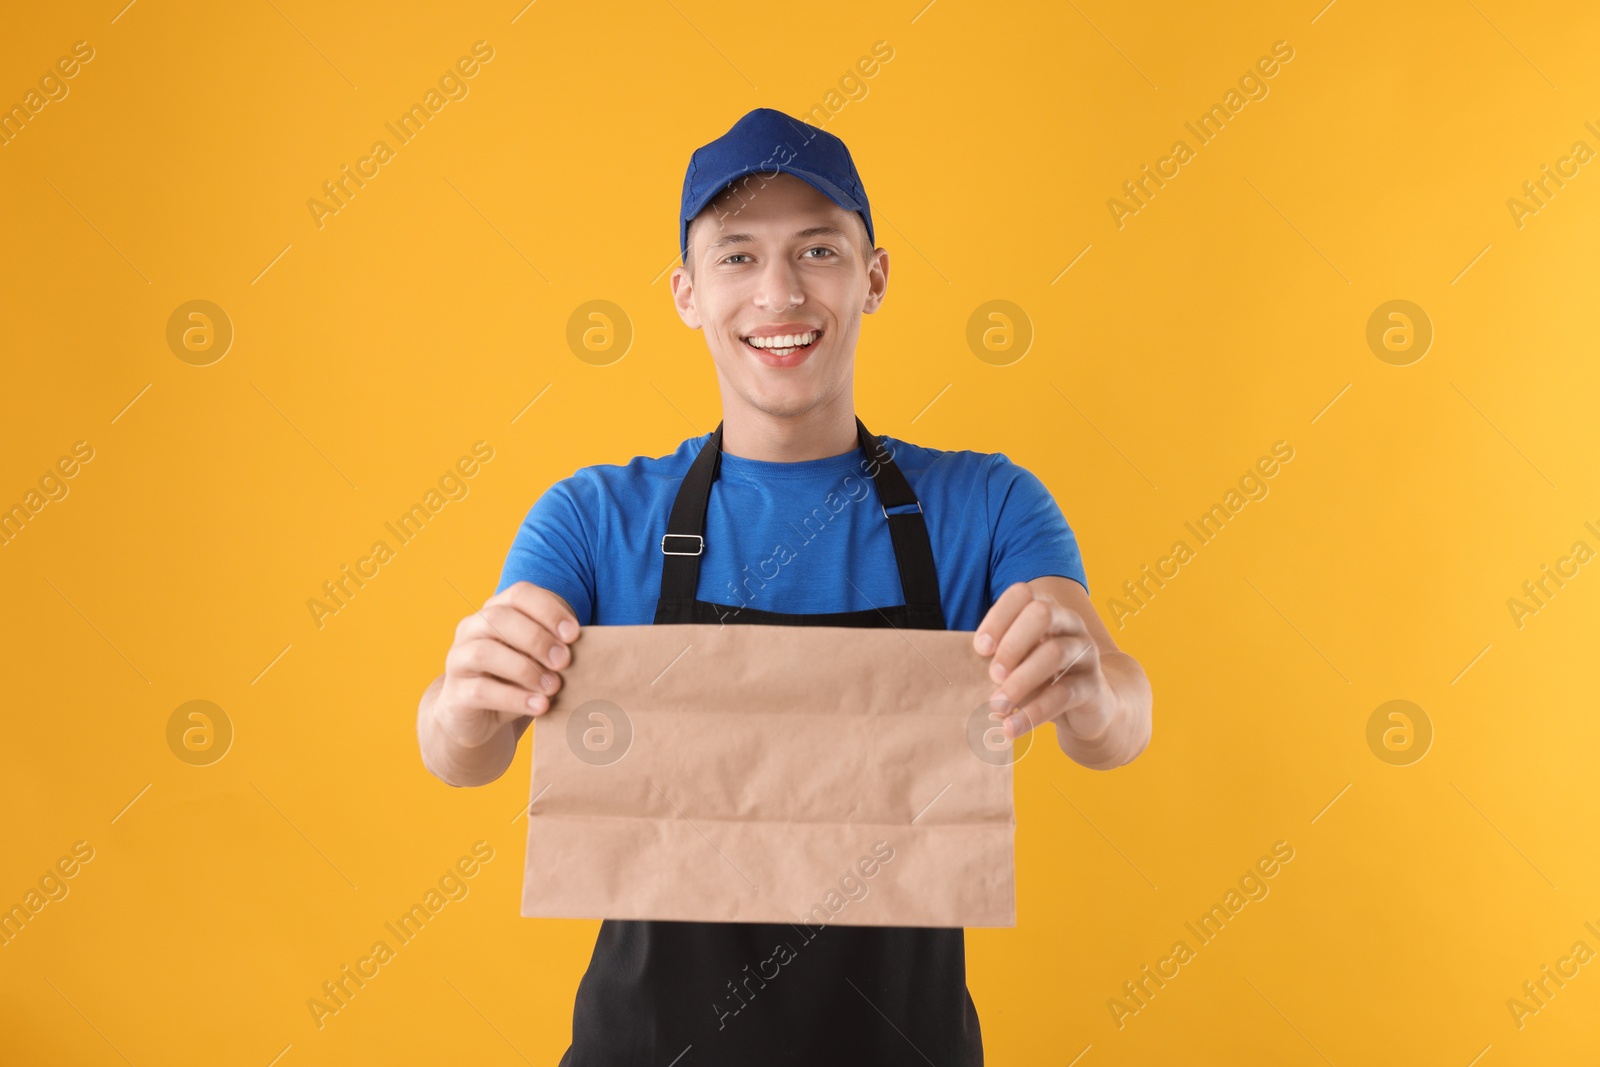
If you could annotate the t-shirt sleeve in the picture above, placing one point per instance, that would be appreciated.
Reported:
(551, 550)
(1029, 537)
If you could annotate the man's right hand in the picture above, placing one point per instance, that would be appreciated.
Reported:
(505, 663)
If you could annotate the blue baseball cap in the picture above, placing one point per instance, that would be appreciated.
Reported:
(768, 142)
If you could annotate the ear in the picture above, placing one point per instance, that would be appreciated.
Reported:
(877, 280)
(683, 297)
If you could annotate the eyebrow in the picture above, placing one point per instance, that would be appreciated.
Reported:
(801, 235)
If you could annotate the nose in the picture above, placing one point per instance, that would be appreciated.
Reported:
(779, 287)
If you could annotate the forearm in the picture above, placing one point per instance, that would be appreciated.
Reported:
(457, 764)
(1130, 727)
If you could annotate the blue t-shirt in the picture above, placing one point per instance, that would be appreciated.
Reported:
(804, 537)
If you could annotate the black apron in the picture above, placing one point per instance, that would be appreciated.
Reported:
(693, 994)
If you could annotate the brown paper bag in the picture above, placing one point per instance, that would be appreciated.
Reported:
(772, 774)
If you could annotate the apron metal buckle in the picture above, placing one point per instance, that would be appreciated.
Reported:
(699, 547)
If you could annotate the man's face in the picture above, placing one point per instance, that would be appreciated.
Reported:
(774, 256)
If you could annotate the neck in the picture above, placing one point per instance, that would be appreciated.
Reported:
(827, 430)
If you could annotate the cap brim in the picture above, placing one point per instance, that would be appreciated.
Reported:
(822, 185)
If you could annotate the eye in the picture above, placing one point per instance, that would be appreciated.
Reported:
(736, 255)
(822, 248)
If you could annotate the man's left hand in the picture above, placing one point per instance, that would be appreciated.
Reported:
(1046, 664)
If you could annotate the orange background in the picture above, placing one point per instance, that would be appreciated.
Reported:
(431, 312)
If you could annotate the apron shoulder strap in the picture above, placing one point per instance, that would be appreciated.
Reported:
(684, 542)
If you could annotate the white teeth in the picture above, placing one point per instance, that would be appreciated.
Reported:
(783, 341)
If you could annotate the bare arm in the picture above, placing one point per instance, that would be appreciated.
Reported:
(502, 670)
(457, 764)
(1057, 660)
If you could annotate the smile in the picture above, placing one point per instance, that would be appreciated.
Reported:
(784, 344)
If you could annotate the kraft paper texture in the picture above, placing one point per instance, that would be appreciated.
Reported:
(756, 773)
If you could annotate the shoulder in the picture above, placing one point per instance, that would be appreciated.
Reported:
(635, 477)
(990, 482)
(947, 465)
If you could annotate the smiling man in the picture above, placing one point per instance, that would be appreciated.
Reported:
(789, 513)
